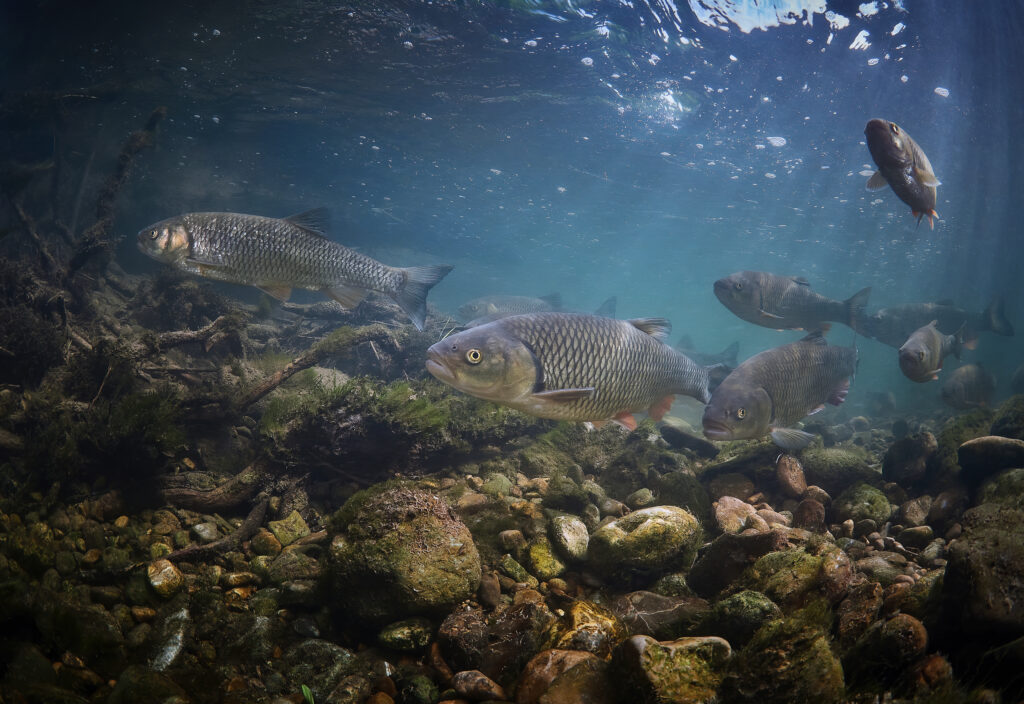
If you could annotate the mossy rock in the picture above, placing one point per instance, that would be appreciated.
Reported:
(544, 563)
(1009, 419)
(787, 660)
(1005, 489)
(564, 494)
(862, 501)
(736, 618)
(403, 552)
(686, 670)
(656, 539)
(789, 578)
(835, 468)
(683, 489)
(943, 465)
(588, 627)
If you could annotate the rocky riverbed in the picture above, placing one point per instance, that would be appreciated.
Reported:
(551, 565)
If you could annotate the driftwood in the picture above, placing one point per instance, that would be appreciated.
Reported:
(240, 488)
(249, 526)
(96, 239)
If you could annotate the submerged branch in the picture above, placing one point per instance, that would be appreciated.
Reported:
(240, 488)
(245, 531)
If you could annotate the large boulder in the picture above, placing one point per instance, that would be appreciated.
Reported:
(401, 552)
(685, 670)
(835, 468)
(862, 501)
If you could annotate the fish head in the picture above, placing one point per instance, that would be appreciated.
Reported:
(736, 412)
(473, 309)
(167, 240)
(914, 361)
(487, 362)
(887, 142)
(739, 292)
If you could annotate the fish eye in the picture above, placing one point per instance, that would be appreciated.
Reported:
(738, 286)
(154, 234)
(920, 355)
(895, 128)
(741, 413)
(473, 356)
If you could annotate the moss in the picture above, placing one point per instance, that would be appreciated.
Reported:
(943, 465)
(835, 468)
(29, 346)
(1009, 418)
(790, 578)
(736, 618)
(862, 501)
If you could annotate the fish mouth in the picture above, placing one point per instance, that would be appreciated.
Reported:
(877, 125)
(436, 365)
(713, 430)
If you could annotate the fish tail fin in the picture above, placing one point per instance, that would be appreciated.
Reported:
(731, 353)
(856, 304)
(994, 317)
(960, 340)
(932, 217)
(412, 295)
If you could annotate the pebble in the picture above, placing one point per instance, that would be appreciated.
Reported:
(570, 536)
(512, 540)
(731, 513)
(289, 529)
(475, 685)
(165, 578)
(641, 498)
(810, 515)
(205, 532)
(818, 494)
(489, 593)
(790, 475)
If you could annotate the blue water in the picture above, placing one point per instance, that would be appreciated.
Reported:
(588, 148)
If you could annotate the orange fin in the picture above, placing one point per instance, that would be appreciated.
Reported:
(626, 420)
(658, 409)
(971, 344)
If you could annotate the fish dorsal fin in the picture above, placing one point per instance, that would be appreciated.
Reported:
(553, 299)
(658, 328)
(607, 309)
(877, 181)
(935, 324)
(802, 281)
(565, 395)
(815, 338)
(945, 302)
(315, 221)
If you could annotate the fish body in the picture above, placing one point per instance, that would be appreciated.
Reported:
(903, 166)
(892, 326)
(774, 389)
(279, 254)
(569, 366)
(970, 386)
(606, 309)
(500, 306)
(921, 356)
(784, 302)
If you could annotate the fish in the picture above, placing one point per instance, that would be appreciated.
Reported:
(278, 254)
(728, 356)
(903, 166)
(892, 326)
(606, 309)
(771, 391)
(508, 305)
(970, 386)
(570, 366)
(1017, 380)
(922, 354)
(784, 302)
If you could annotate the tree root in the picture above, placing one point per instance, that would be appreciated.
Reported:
(245, 531)
(239, 489)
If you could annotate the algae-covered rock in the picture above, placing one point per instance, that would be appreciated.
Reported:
(289, 529)
(787, 660)
(586, 626)
(570, 536)
(943, 466)
(885, 651)
(659, 615)
(543, 561)
(1009, 419)
(736, 618)
(835, 468)
(862, 501)
(140, 684)
(681, 671)
(988, 455)
(906, 460)
(984, 582)
(788, 578)
(681, 488)
(320, 665)
(407, 635)
(403, 552)
(658, 538)
(1005, 489)
(544, 668)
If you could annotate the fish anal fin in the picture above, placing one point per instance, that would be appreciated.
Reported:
(315, 221)
(766, 314)
(660, 407)
(877, 181)
(658, 328)
(815, 338)
(282, 292)
(626, 420)
(791, 439)
(926, 177)
(564, 395)
(347, 296)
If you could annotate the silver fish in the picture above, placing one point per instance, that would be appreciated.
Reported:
(774, 389)
(892, 326)
(784, 302)
(921, 356)
(569, 366)
(278, 254)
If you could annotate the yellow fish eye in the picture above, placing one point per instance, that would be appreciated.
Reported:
(473, 356)
(154, 234)
(741, 413)
(895, 128)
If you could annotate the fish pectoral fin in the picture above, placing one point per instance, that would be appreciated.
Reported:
(564, 395)
(791, 439)
(766, 314)
(347, 296)
(877, 181)
(658, 328)
(926, 178)
(281, 293)
(315, 221)
(818, 409)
